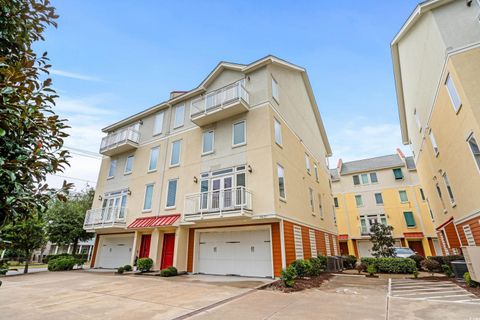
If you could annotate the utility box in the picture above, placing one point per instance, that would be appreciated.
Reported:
(472, 259)
(459, 267)
(334, 264)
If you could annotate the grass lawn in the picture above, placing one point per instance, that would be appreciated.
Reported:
(16, 265)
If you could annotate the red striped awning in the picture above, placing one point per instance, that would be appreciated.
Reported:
(413, 234)
(151, 222)
(342, 237)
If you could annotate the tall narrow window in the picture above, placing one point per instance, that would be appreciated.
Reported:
(147, 201)
(403, 196)
(409, 219)
(434, 142)
(417, 120)
(398, 174)
(171, 193)
(310, 198)
(275, 93)
(449, 188)
(281, 181)
(158, 123)
(475, 149)
(358, 200)
(278, 132)
(239, 134)
(373, 177)
(430, 210)
(356, 180)
(335, 201)
(208, 141)
(175, 158)
(129, 164)
(422, 195)
(452, 92)
(364, 178)
(315, 168)
(378, 198)
(154, 152)
(320, 205)
(112, 169)
(179, 116)
(307, 163)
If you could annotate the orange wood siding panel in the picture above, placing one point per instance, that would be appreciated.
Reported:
(321, 246)
(276, 249)
(307, 250)
(474, 224)
(191, 240)
(95, 250)
(355, 248)
(289, 242)
(452, 236)
(332, 251)
(432, 247)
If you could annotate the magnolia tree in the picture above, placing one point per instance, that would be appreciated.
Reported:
(383, 242)
(31, 135)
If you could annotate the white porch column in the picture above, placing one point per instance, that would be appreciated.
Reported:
(181, 247)
(154, 253)
(56, 249)
(89, 256)
(68, 249)
(136, 243)
(79, 250)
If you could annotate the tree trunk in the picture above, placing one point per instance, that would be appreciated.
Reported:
(75, 245)
(27, 260)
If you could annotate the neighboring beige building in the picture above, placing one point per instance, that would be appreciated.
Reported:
(436, 58)
(227, 178)
(385, 190)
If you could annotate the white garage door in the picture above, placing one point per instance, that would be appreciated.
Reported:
(244, 253)
(115, 252)
(364, 248)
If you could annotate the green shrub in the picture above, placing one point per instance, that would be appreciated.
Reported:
(391, 265)
(79, 258)
(288, 276)
(415, 273)
(447, 270)
(468, 280)
(430, 265)
(446, 260)
(3, 267)
(120, 270)
(62, 263)
(144, 264)
(302, 267)
(316, 266)
(127, 268)
(323, 262)
(169, 272)
(418, 259)
(349, 261)
(371, 270)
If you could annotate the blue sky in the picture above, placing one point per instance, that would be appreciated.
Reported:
(114, 58)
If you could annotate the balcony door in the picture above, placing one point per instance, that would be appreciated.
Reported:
(222, 192)
(114, 206)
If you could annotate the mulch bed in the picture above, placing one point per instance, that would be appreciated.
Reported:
(300, 283)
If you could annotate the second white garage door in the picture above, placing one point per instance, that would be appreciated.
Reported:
(115, 252)
(244, 253)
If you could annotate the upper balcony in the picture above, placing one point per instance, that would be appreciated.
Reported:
(220, 104)
(107, 217)
(120, 141)
(222, 203)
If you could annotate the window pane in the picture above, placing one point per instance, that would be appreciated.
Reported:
(153, 158)
(307, 163)
(422, 194)
(208, 141)
(171, 193)
(335, 201)
(403, 196)
(175, 153)
(452, 92)
(398, 174)
(147, 203)
(364, 178)
(356, 180)
(129, 164)
(316, 171)
(158, 125)
(275, 90)
(409, 219)
(449, 188)
(358, 200)
(113, 168)
(434, 142)
(475, 150)
(378, 198)
(179, 116)
(239, 133)
(310, 196)
(281, 181)
(278, 132)
(373, 177)
(241, 180)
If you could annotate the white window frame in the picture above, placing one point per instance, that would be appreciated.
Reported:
(361, 200)
(277, 132)
(417, 120)
(433, 141)
(430, 210)
(131, 156)
(150, 159)
(400, 196)
(320, 205)
(470, 137)
(282, 170)
(158, 123)
(172, 165)
(145, 197)
(364, 175)
(449, 189)
(176, 116)
(203, 142)
(307, 163)
(244, 134)
(112, 168)
(469, 235)
(298, 241)
(376, 177)
(168, 191)
(381, 196)
(275, 90)
(313, 243)
(311, 200)
(315, 168)
(453, 93)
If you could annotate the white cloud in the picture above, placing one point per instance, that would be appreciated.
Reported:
(73, 75)
(363, 137)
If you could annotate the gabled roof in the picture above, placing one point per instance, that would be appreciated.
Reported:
(202, 87)
(383, 162)
(420, 10)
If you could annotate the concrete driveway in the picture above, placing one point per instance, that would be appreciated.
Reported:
(89, 295)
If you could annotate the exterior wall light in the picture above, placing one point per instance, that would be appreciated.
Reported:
(195, 180)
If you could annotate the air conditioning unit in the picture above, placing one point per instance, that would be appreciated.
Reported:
(472, 258)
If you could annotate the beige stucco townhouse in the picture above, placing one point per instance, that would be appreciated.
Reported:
(228, 178)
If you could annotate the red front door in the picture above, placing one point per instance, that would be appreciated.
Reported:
(343, 248)
(168, 249)
(416, 246)
(145, 245)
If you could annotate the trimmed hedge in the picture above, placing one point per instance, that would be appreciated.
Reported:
(349, 261)
(446, 259)
(144, 264)
(62, 263)
(391, 265)
(169, 272)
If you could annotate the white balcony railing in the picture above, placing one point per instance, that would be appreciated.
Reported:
(121, 137)
(219, 99)
(217, 204)
(105, 217)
